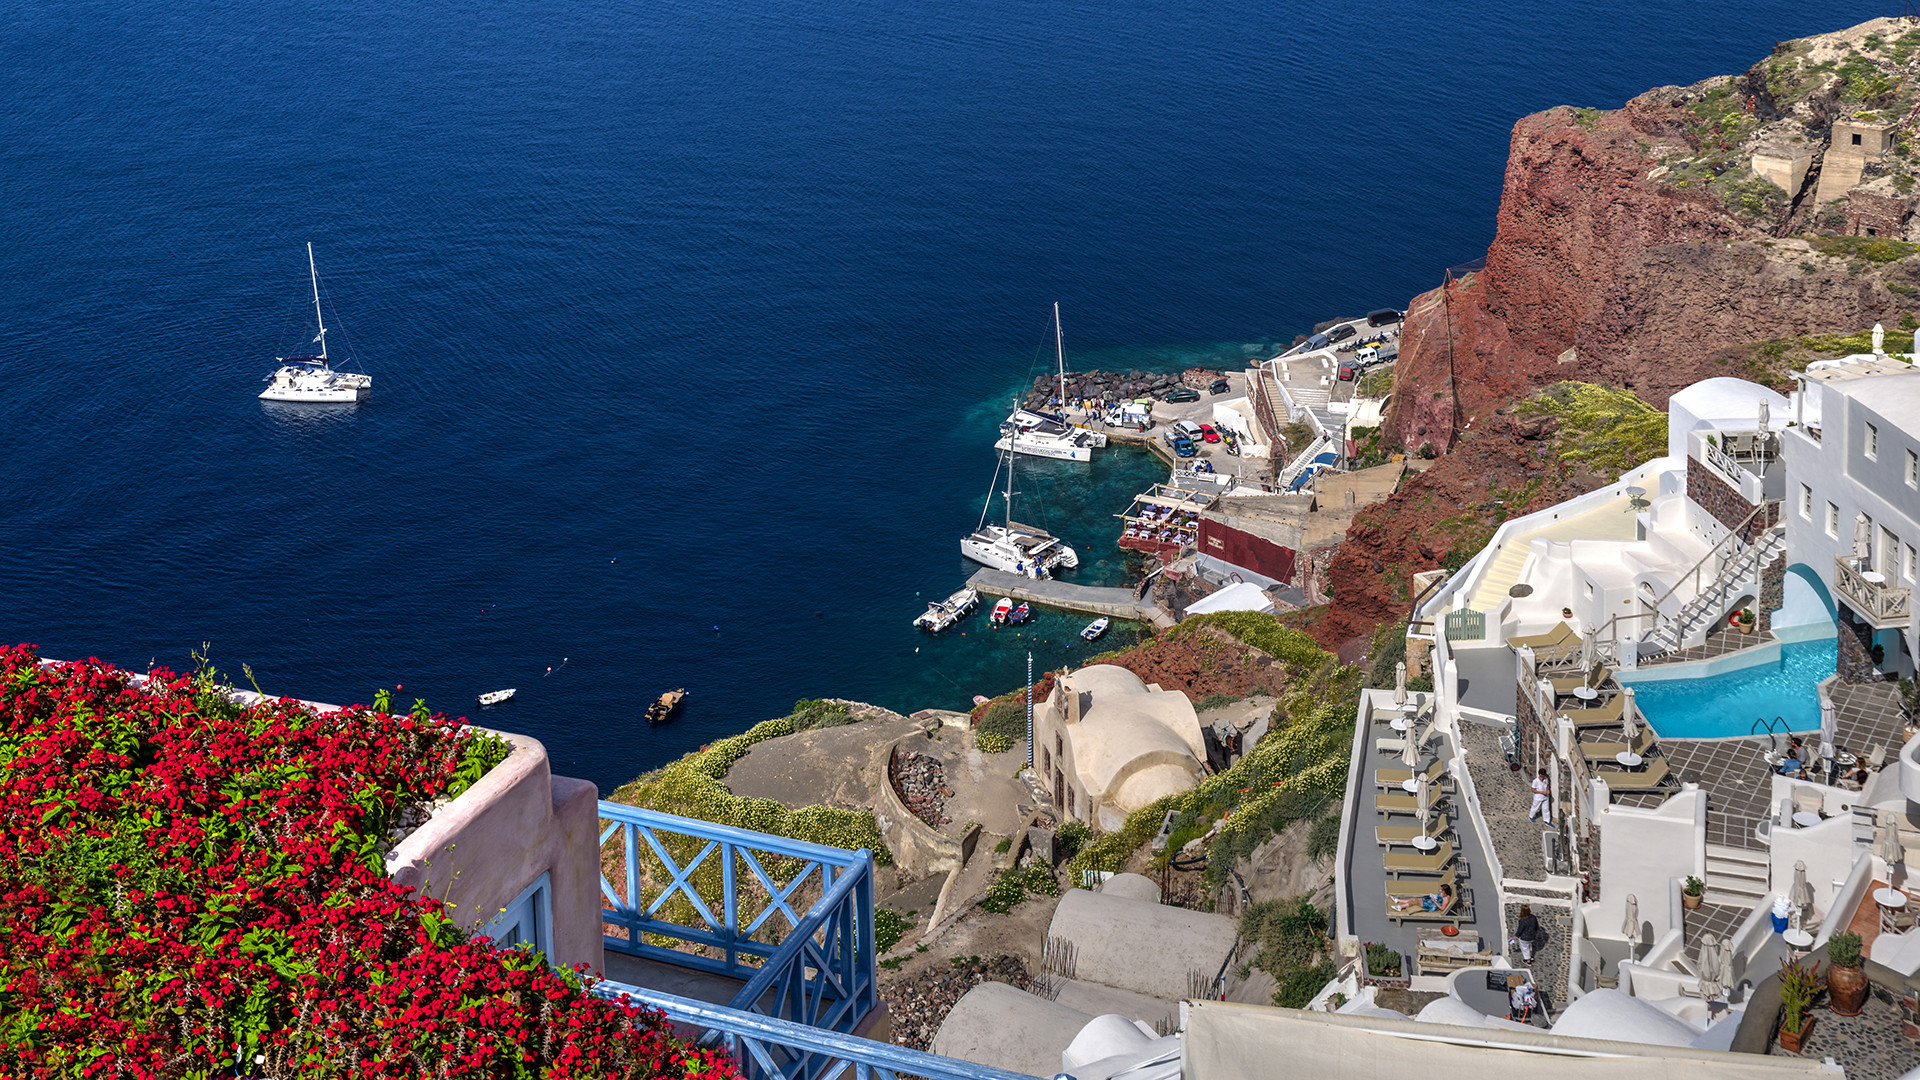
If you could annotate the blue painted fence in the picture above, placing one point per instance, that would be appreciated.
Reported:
(813, 968)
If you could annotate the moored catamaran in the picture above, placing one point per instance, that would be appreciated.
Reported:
(313, 379)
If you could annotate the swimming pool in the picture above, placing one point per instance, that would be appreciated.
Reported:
(1725, 705)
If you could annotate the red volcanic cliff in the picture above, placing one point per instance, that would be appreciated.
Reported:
(1611, 245)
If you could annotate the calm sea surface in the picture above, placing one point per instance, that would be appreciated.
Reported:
(689, 323)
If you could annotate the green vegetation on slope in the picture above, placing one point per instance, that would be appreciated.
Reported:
(1604, 428)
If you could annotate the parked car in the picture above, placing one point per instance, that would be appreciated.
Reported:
(1208, 433)
(1350, 369)
(1220, 386)
(1181, 393)
(1341, 332)
(1186, 429)
(1183, 446)
(1384, 317)
(1317, 341)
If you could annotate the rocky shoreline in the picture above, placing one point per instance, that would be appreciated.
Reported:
(1117, 385)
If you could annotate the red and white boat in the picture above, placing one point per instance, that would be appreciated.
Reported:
(1001, 610)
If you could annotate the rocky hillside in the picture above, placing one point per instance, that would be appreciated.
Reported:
(1640, 248)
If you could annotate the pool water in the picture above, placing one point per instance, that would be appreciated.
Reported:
(1726, 705)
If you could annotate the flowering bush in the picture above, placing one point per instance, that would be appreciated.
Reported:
(191, 888)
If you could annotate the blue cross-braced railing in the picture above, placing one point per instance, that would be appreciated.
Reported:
(769, 1048)
(813, 966)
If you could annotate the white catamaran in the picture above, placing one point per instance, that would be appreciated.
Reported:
(1016, 548)
(1048, 435)
(312, 378)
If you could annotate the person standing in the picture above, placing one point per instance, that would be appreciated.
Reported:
(1542, 792)
(1526, 931)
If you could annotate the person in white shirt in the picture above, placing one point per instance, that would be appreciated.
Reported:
(1541, 790)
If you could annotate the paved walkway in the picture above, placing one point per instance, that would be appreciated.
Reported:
(1718, 643)
(1504, 800)
(1119, 603)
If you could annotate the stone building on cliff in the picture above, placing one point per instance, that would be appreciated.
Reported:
(1107, 744)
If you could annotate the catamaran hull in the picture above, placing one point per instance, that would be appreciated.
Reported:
(331, 396)
(999, 558)
(1032, 447)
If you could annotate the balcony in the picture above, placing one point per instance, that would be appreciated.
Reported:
(1869, 595)
(763, 944)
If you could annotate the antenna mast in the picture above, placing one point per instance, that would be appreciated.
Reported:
(316, 302)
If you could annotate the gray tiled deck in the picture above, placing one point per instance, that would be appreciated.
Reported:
(1720, 920)
(1718, 643)
(1367, 877)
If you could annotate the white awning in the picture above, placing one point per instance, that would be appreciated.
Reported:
(1241, 596)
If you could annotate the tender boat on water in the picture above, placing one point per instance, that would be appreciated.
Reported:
(312, 378)
(665, 706)
(1000, 611)
(939, 616)
(1095, 628)
(495, 697)
(1019, 614)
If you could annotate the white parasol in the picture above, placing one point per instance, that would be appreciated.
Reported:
(1400, 683)
(1886, 844)
(1631, 927)
(1800, 894)
(1423, 799)
(1709, 967)
(1726, 961)
(1765, 415)
(1588, 646)
(1861, 540)
(1879, 340)
(1629, 718)
(1916, 345)
(1827, 723)
(1410, 749)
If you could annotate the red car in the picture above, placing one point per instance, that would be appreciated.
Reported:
(1208, 433)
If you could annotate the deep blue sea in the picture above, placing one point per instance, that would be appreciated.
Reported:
(684, 315)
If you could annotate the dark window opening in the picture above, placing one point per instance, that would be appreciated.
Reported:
(1856, 138)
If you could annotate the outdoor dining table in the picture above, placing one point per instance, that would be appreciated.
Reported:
(1425, 843)
(1586, 693)
(1891, 902)
(1873, 577)
(1398, 723)
(1411, 787)
(1629, 759)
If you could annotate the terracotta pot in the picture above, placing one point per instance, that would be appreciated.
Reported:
(1846, 990)
(1691, 901)
(1792, 1043)
(1745, 627)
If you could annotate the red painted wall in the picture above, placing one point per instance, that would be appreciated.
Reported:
(1243, 549)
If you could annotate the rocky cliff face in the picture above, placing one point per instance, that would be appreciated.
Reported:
(1638, 248)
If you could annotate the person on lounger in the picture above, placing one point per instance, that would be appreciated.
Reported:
(1438, 901)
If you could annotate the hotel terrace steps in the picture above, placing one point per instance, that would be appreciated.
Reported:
(1500, 576)
(1736, 878)
(1744, 567)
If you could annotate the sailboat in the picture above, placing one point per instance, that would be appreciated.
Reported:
(312, 378)
(1016, 548)
(1048, 435)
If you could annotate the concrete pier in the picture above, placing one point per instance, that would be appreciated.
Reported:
(1115, 603)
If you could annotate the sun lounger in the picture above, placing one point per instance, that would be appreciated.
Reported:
(1421, 888)
(1391, 803)
(1606, 715)
(1433, 862)
(1621, 780)
(1459, 910)
(1561, 634)
(1435, 772)
(1595, 678)
(1406, 834)
(1604, 751)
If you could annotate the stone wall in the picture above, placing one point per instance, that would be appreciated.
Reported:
(1728, 507)
(1869, 214)
(1855, 664)
(1773, 586)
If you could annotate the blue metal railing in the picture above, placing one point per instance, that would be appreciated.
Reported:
(769, 1048)
(817, 969)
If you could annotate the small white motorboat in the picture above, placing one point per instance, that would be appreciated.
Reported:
(1095, 628)
(939, 616)
(495, 697)
(1001, 611)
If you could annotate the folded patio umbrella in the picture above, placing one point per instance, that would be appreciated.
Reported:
(1630, 718)
(1400, 683)
(1631, 926)
(1801, 894)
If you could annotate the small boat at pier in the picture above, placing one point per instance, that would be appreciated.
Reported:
(1019, 614)
(665, 706)
(941, 615)
(1000, 611)
(495, 697)
(1095, 628)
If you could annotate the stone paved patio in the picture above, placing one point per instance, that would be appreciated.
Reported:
(1870, 1045)
(1720, 920)
(1718, 643)
(1549, 966)
(1504, 798)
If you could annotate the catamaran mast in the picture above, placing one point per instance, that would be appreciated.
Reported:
(1012, 434)
(323, 322)
(1060, 356)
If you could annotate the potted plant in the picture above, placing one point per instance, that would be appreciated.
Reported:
(1692, 891)
(1744, 620)
(1798, 987)
(1566, 613)
(1846, 983)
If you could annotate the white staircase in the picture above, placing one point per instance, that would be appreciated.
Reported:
(1671, 634)
(1501, 573)
(1302, 460)
(1736, 878)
